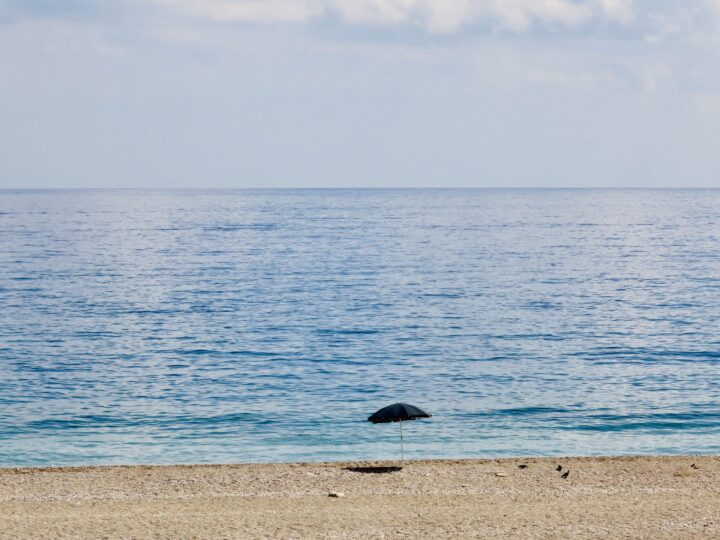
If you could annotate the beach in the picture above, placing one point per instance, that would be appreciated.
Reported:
(612, 497)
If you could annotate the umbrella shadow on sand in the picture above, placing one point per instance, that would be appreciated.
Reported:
(374, 470)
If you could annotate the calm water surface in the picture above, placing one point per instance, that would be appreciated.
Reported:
(230, 326)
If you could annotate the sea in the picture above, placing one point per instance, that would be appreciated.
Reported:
(230, 326)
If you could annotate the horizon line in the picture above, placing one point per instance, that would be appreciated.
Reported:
(366, 188)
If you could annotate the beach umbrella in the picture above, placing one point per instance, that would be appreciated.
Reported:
(398, 412)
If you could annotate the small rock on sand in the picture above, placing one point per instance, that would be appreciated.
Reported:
(501, 474)
(336, 494)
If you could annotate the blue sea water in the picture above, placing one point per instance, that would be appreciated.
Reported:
(236, 326)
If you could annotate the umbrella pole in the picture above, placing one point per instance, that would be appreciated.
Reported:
(402, 454)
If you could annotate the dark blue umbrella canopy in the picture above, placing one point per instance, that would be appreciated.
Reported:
(397, 413)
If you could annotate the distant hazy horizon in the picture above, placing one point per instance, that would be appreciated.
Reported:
(372, 188)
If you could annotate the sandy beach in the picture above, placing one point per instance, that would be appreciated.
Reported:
(617, 497)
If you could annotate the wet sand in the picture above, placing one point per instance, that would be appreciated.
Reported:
(621, 497)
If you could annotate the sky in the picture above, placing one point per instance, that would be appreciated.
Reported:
(359, 93)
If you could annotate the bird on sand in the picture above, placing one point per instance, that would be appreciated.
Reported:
(559, 468)
(565, 474)
(523, 466)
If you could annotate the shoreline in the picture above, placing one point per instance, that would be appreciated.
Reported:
(613, 496)
(348, 462)
(344, 463)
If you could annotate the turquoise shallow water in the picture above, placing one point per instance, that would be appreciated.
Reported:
(230, 326)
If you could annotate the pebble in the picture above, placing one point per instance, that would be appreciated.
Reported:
(501, 474)
(336, 494)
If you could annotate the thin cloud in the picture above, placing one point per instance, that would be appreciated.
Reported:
(442, 16)
(259, 11)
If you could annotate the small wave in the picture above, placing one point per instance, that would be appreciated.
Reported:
(521, 412)
(260, 354)
(195, 352)
(629, 355)
(242, 227)
(668, 421)
(541, 305)
(347, 332)
(522, 337)
(179, 422)
(443, 295)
